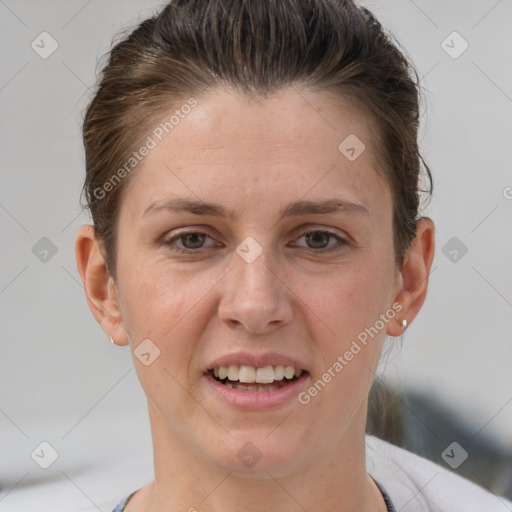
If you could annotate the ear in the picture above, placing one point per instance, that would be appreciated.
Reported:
(100, 289)
(414, 276)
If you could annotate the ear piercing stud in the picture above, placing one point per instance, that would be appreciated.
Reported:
(404, 324)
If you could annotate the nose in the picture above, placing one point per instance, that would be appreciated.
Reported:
(255, 296)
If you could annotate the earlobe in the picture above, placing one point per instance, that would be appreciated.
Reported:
(100, 289)
(414, 275)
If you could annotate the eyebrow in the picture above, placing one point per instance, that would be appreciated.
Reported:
(295, 209)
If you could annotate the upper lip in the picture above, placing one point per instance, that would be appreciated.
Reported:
(256, 360)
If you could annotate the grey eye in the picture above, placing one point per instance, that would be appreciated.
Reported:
(318, 239)
(192, 240)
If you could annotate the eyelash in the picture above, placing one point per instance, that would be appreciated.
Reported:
(171, 242)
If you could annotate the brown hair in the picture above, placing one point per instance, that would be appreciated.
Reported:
(256, 47)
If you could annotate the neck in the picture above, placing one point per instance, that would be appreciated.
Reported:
(186, 481)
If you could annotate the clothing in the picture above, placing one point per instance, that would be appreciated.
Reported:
(120, 506)
(419, 485)
(410, 483)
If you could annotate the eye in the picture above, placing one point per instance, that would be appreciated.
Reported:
(191, 241)
(318, 239)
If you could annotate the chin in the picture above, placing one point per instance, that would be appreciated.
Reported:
(254, 454)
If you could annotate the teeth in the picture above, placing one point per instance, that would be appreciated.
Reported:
(257, 388)
(233, 372)
(247, 374)
(263, 375)
(279, 372)
(289, 372)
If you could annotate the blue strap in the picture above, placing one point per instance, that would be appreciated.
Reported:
(120, 506)
(389, 504)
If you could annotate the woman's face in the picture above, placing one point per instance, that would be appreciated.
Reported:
(271, 276)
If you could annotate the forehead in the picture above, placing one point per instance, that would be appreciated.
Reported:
(230, 144)
(288, 117)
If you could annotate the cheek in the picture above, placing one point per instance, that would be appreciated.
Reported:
(350, 299)
(155, 297)
(349, 330)
(167, 306)
(348, 340)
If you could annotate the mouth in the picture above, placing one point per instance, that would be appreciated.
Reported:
(252, 379)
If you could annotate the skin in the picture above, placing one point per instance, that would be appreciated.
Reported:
(255, 157)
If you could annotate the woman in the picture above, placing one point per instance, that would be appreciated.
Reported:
(253, 177)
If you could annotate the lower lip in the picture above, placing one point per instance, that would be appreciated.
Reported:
(253, 400)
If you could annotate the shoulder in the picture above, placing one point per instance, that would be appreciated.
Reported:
(415, 484)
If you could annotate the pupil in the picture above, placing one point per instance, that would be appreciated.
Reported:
(192, 236)
(316, 235)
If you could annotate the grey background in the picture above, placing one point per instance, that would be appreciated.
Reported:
(62, 381)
